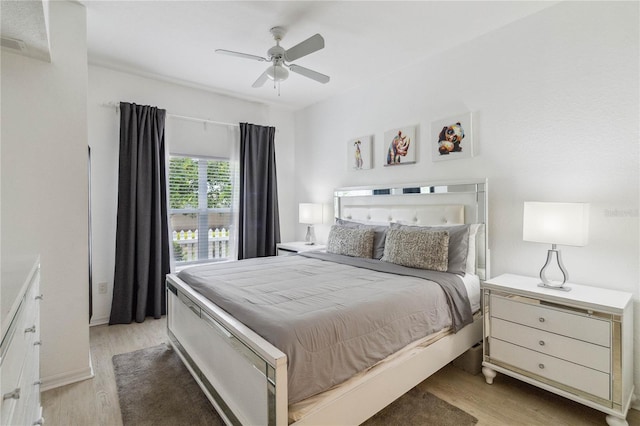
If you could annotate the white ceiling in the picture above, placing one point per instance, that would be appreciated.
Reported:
(24, 22)
(364, 40)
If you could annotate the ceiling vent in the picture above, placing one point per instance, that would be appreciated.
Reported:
(14, 44)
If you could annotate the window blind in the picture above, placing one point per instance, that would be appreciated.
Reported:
(200, 197)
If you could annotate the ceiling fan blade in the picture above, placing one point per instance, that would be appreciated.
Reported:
(241, 55)
(261, 80)
(310, 45)
(314, 75)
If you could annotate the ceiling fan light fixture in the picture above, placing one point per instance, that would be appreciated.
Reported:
(277, 73)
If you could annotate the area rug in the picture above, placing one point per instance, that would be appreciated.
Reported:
(155, 388)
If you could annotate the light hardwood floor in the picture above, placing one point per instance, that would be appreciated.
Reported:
(506, 402)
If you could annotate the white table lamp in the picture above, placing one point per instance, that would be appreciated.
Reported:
(310, 214)
(556, 223)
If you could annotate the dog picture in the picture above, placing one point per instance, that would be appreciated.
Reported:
(359, 153)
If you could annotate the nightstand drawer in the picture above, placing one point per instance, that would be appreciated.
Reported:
(287, 249)
(576, 351)
(284, 252)
(576, 376)
(589, 329)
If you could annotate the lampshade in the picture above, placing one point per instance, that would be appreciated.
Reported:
(556, 223)
(310, 213)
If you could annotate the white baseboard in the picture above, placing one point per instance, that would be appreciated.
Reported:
(67, 378)
(99, 321)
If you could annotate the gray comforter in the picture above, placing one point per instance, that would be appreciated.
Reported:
(332, 315)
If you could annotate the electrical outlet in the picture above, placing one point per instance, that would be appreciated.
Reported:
(102, 288)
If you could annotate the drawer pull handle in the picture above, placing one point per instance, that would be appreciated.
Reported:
(37, 382)
(39, 297)
(40, 421)
(541, 319)
(37, 343)
(541, 342)
(541, 366)
(31, 329)
(15, 394)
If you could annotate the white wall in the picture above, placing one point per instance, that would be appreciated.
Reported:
(555, 99)
(44, 185)
(106, 85)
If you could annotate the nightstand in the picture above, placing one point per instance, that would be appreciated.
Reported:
(286, 249)
(578, 344)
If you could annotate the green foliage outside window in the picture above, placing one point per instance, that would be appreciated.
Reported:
(184, 183)
(178, 252)
(218, 184)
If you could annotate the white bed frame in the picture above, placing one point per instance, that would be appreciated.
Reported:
(245, 377)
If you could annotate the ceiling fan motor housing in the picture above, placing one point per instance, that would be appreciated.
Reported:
(276, 53)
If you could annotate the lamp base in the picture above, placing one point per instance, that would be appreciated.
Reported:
(555, 287)
(554, 256)
(310, 238)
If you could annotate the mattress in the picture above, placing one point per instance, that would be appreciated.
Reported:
(332, 319)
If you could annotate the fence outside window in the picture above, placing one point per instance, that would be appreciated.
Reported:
(186, 245)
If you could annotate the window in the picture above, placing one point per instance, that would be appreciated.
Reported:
(200, 200)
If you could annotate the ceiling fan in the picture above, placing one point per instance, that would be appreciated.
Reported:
(279, 58)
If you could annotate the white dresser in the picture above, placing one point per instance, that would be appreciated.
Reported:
(578, 344)
(20, 347)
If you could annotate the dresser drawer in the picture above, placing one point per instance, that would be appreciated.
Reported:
(15, 348)
(12, 374)
(576, 351)
(32, 385)
(567, 373)
(27, 407)
(32, 302)
(20, 366)
(589, 329)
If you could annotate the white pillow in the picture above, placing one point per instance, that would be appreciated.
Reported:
(471, 254)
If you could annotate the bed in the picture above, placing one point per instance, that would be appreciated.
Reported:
(257, 366)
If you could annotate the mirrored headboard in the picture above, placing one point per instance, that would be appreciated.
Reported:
(421, 204)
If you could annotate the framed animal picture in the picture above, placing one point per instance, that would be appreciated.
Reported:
(400, 146)
(359, 154)
(452, 138)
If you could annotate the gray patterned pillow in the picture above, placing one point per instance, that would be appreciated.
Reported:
(417, 248)
(378, 239)
(458, 244)
(350, 241)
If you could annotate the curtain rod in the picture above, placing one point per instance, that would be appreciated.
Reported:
(116, 105)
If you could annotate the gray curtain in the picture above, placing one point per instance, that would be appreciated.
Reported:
(142, 240)
(258, 221)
